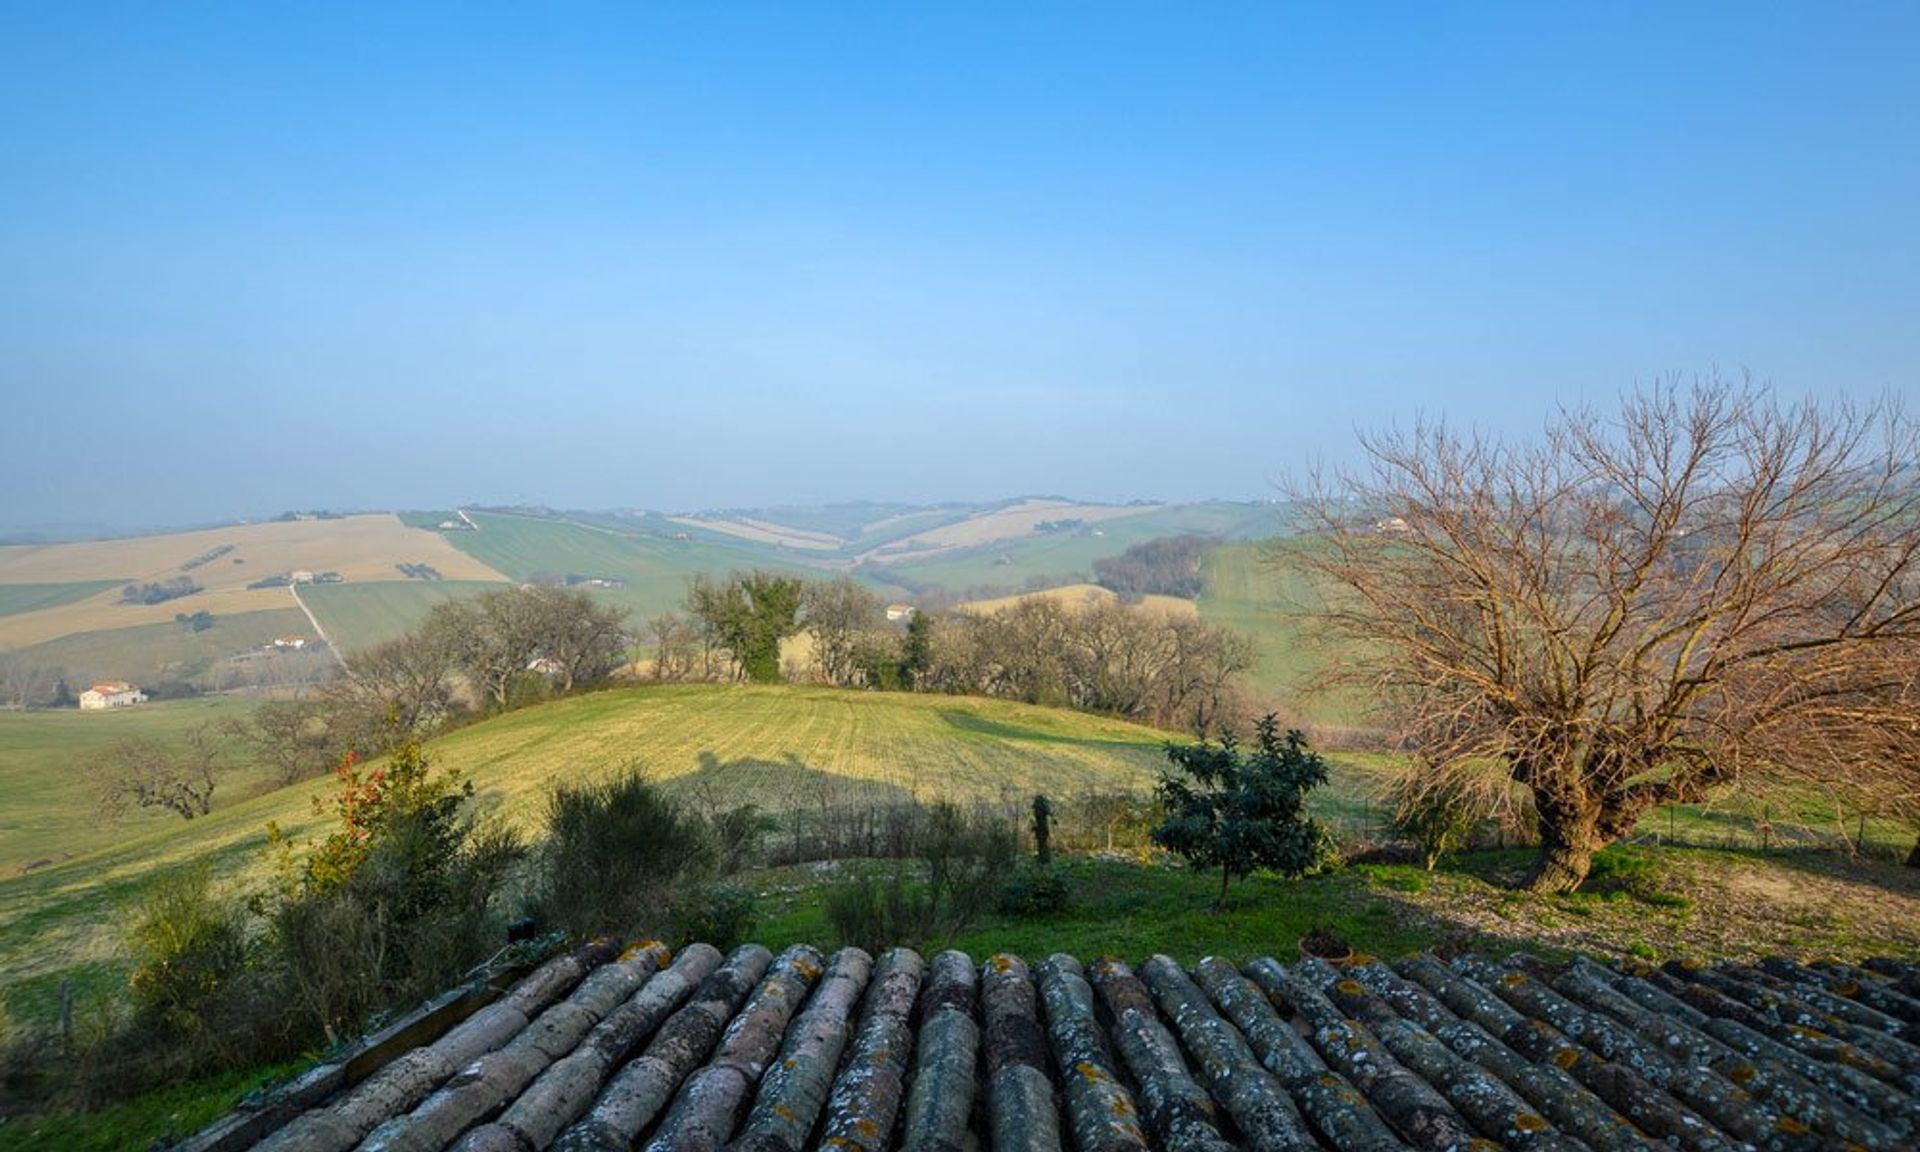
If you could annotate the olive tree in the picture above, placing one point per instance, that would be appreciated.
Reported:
(1706, 588)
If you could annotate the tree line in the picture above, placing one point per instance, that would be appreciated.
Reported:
(479, 655)
(1116, 659)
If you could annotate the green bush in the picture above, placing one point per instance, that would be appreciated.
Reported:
(401, 900)
(616, 853)
(189, 946)
(959, 859)
(1438, 812)
(874, 914)
(722, 915)
(1237, 811)
(1035, 890)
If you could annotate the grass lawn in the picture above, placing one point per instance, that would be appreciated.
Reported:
(164, 1117)
(1649, 903)
(18, 598)
(361, 615)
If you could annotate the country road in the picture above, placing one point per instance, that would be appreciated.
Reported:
(315, 621)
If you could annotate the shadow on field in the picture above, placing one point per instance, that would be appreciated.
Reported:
(977, 724)
(1880, 871)
(778, 785)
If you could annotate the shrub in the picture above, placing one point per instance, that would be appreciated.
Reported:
(189, 946)
(1239, 811)
(616, 852)
(1035, 890)
(1437, 814)
(959, 859)
(873, 914)
(738, 834)
(398, 901)
(722, 915)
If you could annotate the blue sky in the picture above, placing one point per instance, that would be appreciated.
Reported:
(265, 255)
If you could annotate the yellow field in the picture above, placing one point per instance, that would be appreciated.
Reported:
(1081, 595)
(1011, 523)
(357, 547)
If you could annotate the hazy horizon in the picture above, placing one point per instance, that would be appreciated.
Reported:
(257, 259)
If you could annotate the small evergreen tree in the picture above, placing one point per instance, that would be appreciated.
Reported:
(1239, 811)
(917, 654)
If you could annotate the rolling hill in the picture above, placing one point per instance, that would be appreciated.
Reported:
(778, 747)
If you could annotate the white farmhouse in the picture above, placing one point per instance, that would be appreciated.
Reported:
(899, 612)
(112, 694)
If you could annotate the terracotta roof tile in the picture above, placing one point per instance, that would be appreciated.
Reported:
(698, 1052)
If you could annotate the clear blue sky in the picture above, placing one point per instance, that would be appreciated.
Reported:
(270, 255)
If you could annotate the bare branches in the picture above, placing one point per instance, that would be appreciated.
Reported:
(144, 773)
(1703, 587)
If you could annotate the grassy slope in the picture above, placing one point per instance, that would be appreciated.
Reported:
(774, 746)
(1062, 558)
(47, 811)
(18, 598)
(145, 653)
(360, 615)
(1249, 591)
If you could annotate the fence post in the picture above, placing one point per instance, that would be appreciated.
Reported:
(66, 1015)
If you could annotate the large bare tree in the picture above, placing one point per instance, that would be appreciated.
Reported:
(1706, 588)
(145, 773)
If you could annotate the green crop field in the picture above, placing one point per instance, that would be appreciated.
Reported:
(1251, 590)
(145, 653)
(360, 615)
(1067, 557)
(656, 569)
(48, 812)
(18, 598)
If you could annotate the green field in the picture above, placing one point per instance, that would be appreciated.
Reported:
(656, 569)
(1250, 589)
(1067, 557)
(146, 653)
(48, 813)
(18, 598)
(777, 747)
(360, 615)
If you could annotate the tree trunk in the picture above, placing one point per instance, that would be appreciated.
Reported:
(1569, 836)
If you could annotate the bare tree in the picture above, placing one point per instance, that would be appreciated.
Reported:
(674, 640)
(837, 613)
(299, 739)
(24, 681)
(1706, 589)
(145, 773)
(406, 680)
(582, 641)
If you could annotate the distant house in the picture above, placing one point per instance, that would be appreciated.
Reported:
(546, 666)
(112, 694)
(291, 643)
(899, 612)
(300, 576)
